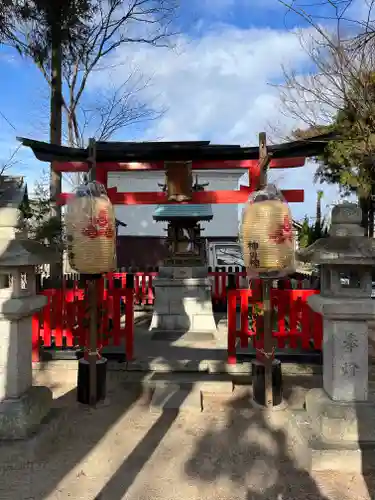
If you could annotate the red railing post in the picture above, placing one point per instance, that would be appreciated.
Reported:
(232, 326)
(35, 337)
(244, 317)
(129, 317)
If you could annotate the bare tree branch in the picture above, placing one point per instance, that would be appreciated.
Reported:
(121, 108)
(339, 92)
(114, 23)
(11, 161)
(338, 67)
(118, 23)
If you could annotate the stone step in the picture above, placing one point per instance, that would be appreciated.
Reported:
(64, 373)
(213, 398)
(212, 366)
(187, 381)
(155, 364)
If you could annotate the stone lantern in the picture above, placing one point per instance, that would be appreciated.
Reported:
(346, 258)
(22, 406)
(340, 417)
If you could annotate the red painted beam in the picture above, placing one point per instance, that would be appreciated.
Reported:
(197, 165)
(199, 197)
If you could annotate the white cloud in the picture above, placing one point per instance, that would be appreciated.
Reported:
(220, 7)
(217, 88)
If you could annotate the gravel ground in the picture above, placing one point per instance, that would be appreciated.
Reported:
(124, 451)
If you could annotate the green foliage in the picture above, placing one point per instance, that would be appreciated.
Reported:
(9, 15)
(309, 233)
(28, 24)
(349, 161)
(41, 224)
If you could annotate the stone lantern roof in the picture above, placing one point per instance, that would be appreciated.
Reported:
(346, 243)
(16, 250)
(19, 253)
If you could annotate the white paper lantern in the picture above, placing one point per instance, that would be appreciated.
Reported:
(91, 230)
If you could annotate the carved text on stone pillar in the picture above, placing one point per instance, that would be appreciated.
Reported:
(349, 369)
(350, 342)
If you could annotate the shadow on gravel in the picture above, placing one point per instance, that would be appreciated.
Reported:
(251, 453)
(117, 487)
(76, 437)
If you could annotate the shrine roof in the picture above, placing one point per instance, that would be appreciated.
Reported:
(173, 212)
(174, 151)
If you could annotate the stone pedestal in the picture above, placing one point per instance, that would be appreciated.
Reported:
(337, 429)
(183, 301)
(345, 346)
(22, 407)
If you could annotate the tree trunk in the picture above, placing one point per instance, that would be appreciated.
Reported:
(364, 204)
(56, 130)
(371, 211)
(318, 216)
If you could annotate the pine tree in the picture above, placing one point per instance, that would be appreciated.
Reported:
(309, 233)
(41, 225)
(349, 161)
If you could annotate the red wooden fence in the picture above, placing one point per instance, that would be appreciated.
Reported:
(294, 322)
(143, 285)
(63, 322)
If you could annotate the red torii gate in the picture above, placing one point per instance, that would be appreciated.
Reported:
(159, 198)
(130, 157)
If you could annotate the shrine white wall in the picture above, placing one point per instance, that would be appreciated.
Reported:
(139, 217)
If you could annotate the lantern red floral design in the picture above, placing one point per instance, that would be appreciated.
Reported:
(99, 226)
(90, 231)
(102, 219)
(91, 234)
(283, 232)
(267, 235)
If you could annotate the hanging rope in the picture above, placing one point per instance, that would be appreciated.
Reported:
(267, 355)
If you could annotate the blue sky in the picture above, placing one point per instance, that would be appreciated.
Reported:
(214, 86)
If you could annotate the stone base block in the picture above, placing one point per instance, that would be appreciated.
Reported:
(340, 421)
(181, 324)
(313, 453)
(20, 417)
(330, 435)
(191, 336)
(17, 453)
(183, 301)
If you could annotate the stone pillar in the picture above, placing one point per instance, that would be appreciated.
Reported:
(183, 302)
(345, 346)
(22, 406)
